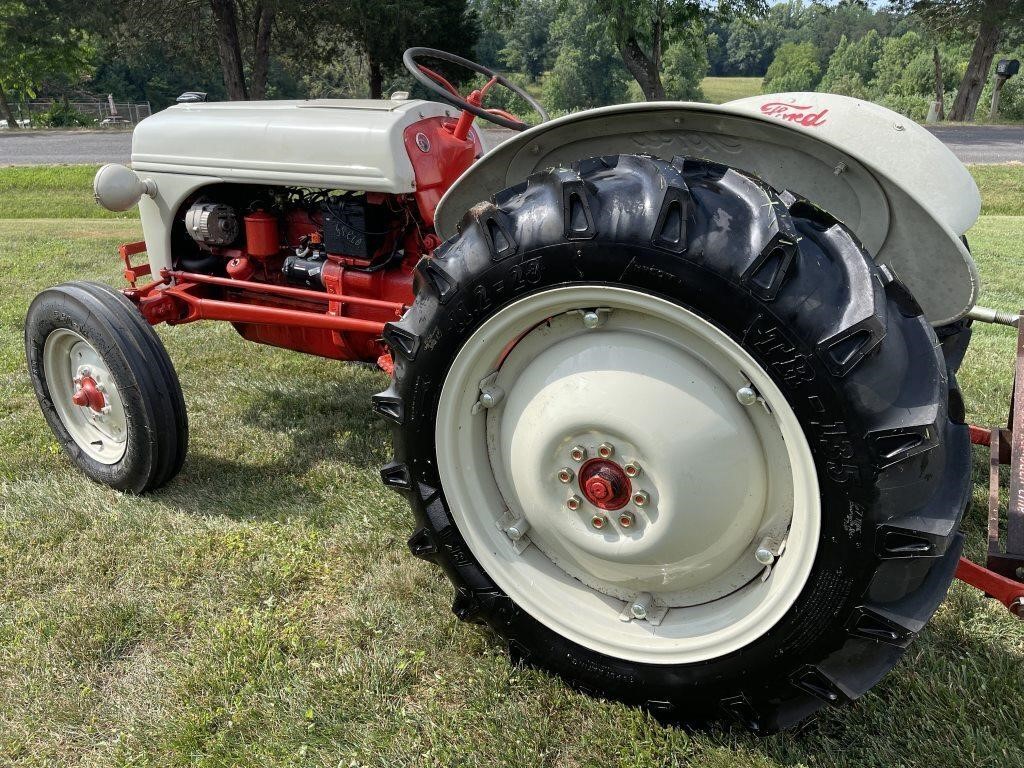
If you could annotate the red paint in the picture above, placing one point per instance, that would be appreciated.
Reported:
(980, 435)
(605, 484)
(262, 237)
(438, 157)
(794, 113)
(88, 395)
(1006, 591)
(240, 268)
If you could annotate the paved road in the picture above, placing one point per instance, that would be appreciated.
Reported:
(983, 143)
(970, 143)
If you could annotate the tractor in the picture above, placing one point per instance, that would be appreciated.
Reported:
(673, 386)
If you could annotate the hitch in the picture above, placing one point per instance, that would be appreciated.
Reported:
(1003, 574)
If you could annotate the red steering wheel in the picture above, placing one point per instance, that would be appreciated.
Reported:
(473, 103)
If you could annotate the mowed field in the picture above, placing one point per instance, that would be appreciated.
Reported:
(718, 90)
(263, 609)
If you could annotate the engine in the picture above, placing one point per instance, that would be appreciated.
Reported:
(341, 243)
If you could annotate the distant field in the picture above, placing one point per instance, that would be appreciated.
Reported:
(719, 90)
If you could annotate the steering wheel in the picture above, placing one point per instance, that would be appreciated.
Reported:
(473, 104)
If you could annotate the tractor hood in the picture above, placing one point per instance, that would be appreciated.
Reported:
(337, 143)
(897, 187)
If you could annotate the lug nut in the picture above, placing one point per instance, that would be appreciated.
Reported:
(746, 395)
(640, 498)
(598, 521)
(565, 475)
(573, 503)
(632, 469)
(605, 450)
(626, 519)
(591, 319)
(578, 453)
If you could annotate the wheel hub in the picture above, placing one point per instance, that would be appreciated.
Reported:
(640, 478)
(88, 394)
(604, 484)
(85, 396)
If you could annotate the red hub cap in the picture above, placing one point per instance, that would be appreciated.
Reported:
(89, 395)
(605, 484)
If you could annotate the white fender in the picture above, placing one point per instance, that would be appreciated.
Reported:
(897, 187)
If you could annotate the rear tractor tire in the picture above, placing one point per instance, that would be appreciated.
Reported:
(676, 438)
(106, 386)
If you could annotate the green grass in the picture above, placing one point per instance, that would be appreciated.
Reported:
(718, 90)
(263, 609)
(56, 191)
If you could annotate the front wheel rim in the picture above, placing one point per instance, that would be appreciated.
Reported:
(98, 427)
(720, 529)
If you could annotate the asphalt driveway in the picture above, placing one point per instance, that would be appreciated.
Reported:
(970, 143)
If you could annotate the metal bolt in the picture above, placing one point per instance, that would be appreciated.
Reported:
(640, 498)
(632, 469)
(578, 453)
(85, 370)
(565, 475)
(573, 502)
(604, 450)
(1017, 608)
(764, 556)
(518, 528)
(641, 606)
(491, 396)
(598, 521)
(746, 395)
(626, 519)
(591, 319)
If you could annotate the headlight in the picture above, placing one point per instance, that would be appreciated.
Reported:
(118, 188)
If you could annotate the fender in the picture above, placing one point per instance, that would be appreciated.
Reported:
(898, 188)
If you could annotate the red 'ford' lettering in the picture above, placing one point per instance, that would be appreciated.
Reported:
(795, 113)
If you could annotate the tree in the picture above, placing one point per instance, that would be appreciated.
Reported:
(852, 66)
(990, 19)
(37, 42)
(640, 29)
(795, 68)
(528, 47)
(685, 66)
(587, 71)
(381, 30)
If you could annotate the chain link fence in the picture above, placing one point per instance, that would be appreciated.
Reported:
(104, 113)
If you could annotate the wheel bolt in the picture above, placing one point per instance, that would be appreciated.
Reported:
(518, 529)
(641, 606)
(573, 502)
(598, 521)
(632, 469)
(764, 556)
(565, 475)
(746, 395)
(640, 498)
(626, 519)
(591, 319)
(605, 450)
(578, 453)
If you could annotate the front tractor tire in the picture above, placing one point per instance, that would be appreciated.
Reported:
(106, 386)
(676, 438)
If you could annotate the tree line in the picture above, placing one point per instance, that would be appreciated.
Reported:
(573, 53)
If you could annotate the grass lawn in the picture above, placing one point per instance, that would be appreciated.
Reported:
(718, 90)
(263, 608)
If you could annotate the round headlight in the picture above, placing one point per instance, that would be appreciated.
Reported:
(118, 188)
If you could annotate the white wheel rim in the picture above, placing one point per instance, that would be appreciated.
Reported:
(723, 478)
(68, 362)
